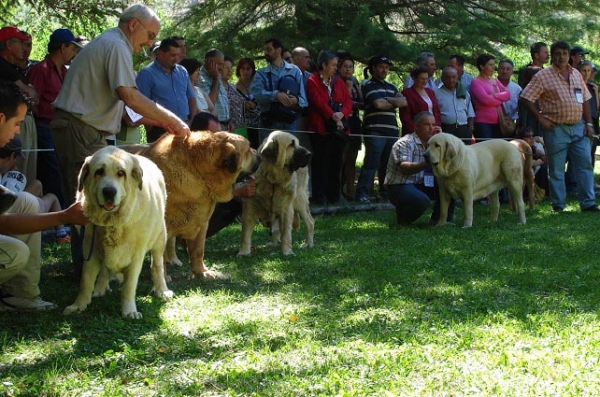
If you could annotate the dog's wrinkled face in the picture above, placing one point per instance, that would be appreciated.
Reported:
(441, 153)
(284, 151)
(246, 159)
(7, 199)
(107, 178)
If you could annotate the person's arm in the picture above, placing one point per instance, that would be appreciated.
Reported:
(213, 70)
(193, 109)
(30, 91)
(407, 114)
(318, 99)
(302, 99)
(246, 189)
(31, 223)
(532, 109)
(147, 108)
(587, 117)
(410, 167)
(479, 93)
(389, 103)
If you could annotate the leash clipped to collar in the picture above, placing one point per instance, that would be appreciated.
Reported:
(86, 259)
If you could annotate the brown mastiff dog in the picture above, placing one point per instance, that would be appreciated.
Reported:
(200, 170)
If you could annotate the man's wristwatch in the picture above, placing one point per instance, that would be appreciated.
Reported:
(589, 125)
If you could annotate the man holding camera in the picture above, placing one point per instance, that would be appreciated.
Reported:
(279, 90)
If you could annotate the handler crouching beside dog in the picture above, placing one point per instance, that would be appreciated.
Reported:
(409, 177)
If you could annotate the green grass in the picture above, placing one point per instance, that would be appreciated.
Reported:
(497, 309)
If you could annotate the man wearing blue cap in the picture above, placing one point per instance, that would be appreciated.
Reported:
(47, 77)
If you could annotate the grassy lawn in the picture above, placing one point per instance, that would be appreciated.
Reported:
(500, 309)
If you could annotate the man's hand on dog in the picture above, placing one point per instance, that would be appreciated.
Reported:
(248, 189)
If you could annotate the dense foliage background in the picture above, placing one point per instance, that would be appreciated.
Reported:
(399, 29)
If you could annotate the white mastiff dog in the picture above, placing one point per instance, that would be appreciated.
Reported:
(476, 171)
(124, 196)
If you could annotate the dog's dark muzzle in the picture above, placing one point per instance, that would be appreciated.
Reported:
(109, 193)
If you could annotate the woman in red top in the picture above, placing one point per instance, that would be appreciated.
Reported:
(419, 99)
(329, 102)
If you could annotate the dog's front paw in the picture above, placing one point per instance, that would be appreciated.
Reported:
(307, 245)
(73, 309)
(207, 275)
(133, 315)
(244, 252)
(165, 295)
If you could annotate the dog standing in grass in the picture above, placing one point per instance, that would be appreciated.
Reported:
(124, 196)
(476, 171)
(281, 193)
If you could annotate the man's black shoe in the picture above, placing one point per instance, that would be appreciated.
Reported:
(591, 208)
(556, 208)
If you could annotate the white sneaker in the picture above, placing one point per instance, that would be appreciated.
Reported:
(26, 304)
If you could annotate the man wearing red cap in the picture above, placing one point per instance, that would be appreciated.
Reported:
(13, 59)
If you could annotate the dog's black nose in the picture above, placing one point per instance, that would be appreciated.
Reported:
(426, 157)
(109, 192)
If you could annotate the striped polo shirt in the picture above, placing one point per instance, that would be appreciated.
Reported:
(375, 121)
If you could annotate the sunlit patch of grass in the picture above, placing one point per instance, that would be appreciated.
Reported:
(369, 311)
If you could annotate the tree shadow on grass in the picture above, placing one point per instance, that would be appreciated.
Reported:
(361, 281)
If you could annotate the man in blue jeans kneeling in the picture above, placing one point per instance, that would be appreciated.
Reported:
(409, 178)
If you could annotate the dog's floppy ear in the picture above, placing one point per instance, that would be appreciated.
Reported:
(84, 173)
(231, 159)
(270, 150)
(137, 173)
(450, 150)
(300, 158)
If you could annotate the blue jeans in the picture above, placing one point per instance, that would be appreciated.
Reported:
(563, 140)
(377, 154)
(411, 201)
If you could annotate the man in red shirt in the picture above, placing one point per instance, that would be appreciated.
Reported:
(47, 77)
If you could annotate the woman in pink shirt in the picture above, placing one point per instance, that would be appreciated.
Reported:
(487, 94)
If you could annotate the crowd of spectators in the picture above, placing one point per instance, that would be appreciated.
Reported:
(86, 94)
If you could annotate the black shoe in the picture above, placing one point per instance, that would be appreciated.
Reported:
(591, 208)
(556, 208)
